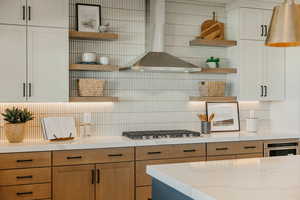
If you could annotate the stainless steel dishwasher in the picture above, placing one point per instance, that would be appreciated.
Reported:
(281, 147)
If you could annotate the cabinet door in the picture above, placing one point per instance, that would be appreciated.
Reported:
(74, 183)
(251, 70)
(13, 63)
(13, 12)
(47, 65)
(274, 73)
(115, 181)
(251, 24)
(50, 13)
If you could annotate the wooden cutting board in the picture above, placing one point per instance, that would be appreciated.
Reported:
(208, 23)
(212, 29)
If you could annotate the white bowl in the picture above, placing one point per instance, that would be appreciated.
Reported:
(89, 57)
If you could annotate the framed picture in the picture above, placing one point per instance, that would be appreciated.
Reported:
(88, 17)
(226, 118)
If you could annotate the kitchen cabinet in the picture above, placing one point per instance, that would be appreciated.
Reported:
(47, 65)
(74, 182)
(101, 173)
(262, 75)
(50, 13)
(144, 193)
(254, 23)
(13, 63)
(115, 181)
(13, 12)
(46, 13)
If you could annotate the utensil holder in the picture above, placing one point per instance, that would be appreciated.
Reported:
(205, 127)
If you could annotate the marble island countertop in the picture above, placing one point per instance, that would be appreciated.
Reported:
(119, 141)
(273, 178)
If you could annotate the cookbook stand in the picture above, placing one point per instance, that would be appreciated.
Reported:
(56, 139)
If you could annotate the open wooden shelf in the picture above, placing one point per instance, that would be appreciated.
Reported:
(214, 99)
(217, 71)
(92, 35)
(91, 67)
(93, 99)
(215, 43)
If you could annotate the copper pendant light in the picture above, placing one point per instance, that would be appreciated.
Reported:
(284, 28)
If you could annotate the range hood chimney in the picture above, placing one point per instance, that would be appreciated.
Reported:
(155, 59)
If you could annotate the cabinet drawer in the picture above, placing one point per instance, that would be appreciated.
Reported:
(222, 148)
(226, 157)
(170, 151)
(251, 155)
(143, 193)
(75, 157)
(250, 147)
(142, 179)
(25, 176)
(25, 160)
(26, 192)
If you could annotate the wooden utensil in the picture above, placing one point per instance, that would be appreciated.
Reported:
(211, 117)
(202, 117)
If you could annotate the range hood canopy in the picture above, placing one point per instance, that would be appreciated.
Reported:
(155, 59)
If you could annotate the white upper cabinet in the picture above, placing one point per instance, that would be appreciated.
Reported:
(47, 65)
(48, 13)
(252, 70)
(12, 63)
(254, 23)
(13, 12)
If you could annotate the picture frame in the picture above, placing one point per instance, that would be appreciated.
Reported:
(227, 116)
(88, 17)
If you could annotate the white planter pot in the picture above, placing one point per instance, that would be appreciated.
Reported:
(212, 64)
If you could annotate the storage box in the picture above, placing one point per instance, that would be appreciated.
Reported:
(91, 87)
(212, 88)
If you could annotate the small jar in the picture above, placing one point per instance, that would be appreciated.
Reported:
(103, 60)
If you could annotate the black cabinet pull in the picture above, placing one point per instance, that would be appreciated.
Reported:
(24, 16)
(222, 149)
(266, 30)
(154, 152)
(149, 199)
(24, 89)
(266, 91)
(98, 176)
(262, 91)
(24, 177)
(74, 157)
(93, 176)
(20, 161)
(23, 193)
(115, 155)
(189, 150)
(262, 30)
(29, 88)
(249, 147)
(29, 13)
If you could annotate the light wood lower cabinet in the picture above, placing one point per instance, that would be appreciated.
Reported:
(115, 181)
(144, 193)
(26, 192)
(252, 155)
(74, 182)
(221, 157)
(112, 181)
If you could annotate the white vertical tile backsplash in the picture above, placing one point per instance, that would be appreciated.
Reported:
(147, 100)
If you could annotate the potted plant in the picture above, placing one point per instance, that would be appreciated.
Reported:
(15, 126)
(213, 62)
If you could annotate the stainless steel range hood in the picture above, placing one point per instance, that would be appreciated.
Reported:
(155, 59)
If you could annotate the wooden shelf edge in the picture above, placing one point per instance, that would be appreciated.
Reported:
(93, 99)
(94, 67)
(217, 71)
(92, 35)
(214, 99)
(216, 43)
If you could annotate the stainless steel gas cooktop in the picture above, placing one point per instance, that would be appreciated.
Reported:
(143, 135)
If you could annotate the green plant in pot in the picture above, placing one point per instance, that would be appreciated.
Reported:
(16, 123)
(213, 62)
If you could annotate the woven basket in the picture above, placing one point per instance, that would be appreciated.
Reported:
(91, 87)
(212, 88)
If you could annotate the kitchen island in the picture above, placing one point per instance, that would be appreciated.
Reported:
(275, 178)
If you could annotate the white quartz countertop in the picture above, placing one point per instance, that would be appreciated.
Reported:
(273, 178)
(119, 141)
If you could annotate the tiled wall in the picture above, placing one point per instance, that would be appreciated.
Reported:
(147, 100)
